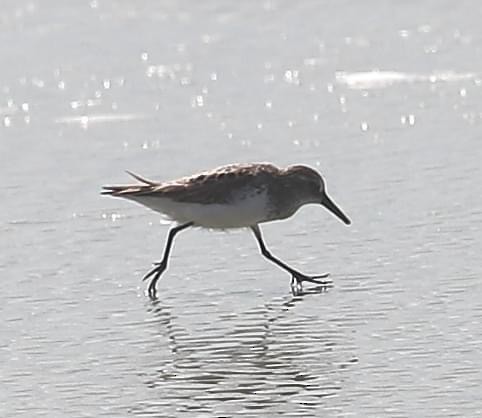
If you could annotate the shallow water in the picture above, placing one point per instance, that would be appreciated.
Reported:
(383, 97)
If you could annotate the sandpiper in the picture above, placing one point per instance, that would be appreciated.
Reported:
(232, 196)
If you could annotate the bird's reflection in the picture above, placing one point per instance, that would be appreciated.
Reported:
(264, 350)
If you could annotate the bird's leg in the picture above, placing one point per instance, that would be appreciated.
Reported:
(296, 277)
(160, 267)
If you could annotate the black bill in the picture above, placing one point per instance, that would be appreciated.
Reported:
(331, 206)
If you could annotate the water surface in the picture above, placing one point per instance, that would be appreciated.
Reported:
(382, 97)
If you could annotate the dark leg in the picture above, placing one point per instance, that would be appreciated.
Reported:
(162, 266)
(297, 277)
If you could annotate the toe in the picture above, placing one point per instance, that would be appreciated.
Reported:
(321, 276)
(150, 273)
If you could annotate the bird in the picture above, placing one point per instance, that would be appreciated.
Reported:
(242, 195)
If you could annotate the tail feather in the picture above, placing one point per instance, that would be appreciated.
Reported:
(126, 190)
(113, 190)
(142, 179)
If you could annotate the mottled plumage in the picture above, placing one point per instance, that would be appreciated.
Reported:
(210, 187)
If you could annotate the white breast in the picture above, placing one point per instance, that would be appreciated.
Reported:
(247, 210)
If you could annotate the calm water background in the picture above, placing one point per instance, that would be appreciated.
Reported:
(167, 88)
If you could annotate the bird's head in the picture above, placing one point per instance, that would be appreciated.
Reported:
(310, 186)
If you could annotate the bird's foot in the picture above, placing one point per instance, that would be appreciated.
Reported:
(298, 278)
(155, 273)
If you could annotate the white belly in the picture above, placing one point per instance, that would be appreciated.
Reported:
(244, 212)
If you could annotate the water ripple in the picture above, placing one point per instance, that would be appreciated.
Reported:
(255, 358)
